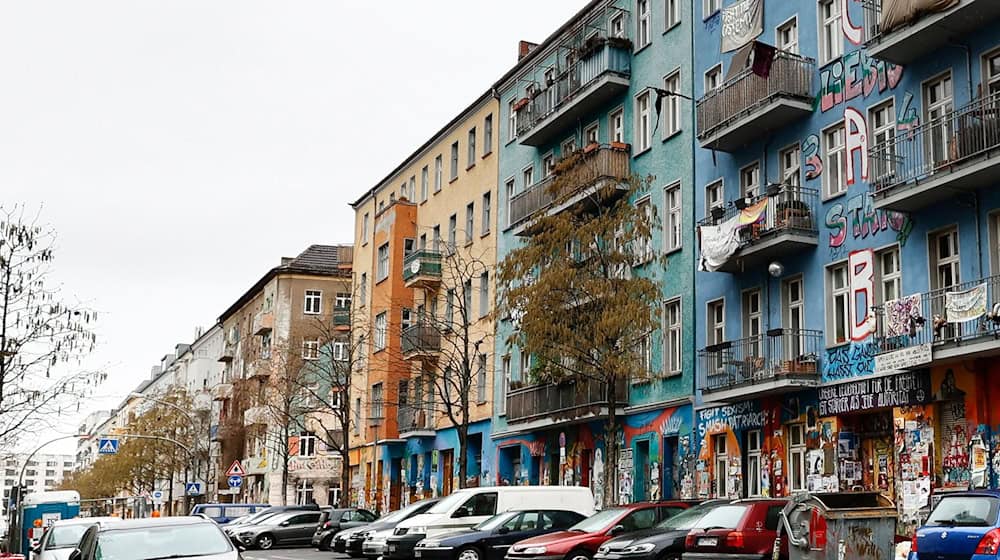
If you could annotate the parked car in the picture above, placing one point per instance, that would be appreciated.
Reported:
(352, 541)
(287, 528)
(665, 541)
(225, 513)
(490, 539)
(581, 541)
(471, 506)
(233, 527)
(337, 520)
(186, 537)
(739, 530)
(62, 538)
(961, 525)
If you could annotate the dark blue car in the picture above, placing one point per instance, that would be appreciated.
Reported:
(963, 525)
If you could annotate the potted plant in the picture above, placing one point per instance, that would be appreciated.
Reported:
(521, 103)
(620, 146)
(623, 43)
(592, 147)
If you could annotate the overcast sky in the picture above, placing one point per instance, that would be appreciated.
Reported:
(180, 148)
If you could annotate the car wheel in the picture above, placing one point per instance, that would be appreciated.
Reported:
(469, 553)
(265, 542)
(578, 555)
(325, 543)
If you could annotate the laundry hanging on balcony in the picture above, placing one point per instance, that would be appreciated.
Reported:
(741, 23)
(969, 305)
(902, 315)
(898, 12)
(719, 242)
(753, 214)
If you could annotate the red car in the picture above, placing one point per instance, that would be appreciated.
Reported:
(582, 540)
(743, 529)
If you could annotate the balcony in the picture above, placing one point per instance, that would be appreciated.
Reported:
(415, 422)
(563, 402)
(931, 162)
(601, 171)
(422, 269)
(256, 464)
(259, 368)
(599, 76)
(781, 361)
(902, 36)
(748, 106)
(256, 415)
(222, 391)
(421, 341)
(228, 352)
(342, 317)
(922, 330)
(780, 222)
(263, 323)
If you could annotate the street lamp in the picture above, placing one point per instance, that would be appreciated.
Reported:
(194, 430)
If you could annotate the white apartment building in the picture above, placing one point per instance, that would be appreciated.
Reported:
(42, 473)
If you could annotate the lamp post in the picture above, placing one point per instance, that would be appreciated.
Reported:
(194, 432)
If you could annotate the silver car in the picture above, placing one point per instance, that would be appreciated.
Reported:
(289, 528)
(64, 536)
(156, 539)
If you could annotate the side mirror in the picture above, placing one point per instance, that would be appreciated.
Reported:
(75, 555)
(503, 530)
(461, 512)
(284, 524)
(617, 530)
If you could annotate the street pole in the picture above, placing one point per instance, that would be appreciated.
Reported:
(194, 434)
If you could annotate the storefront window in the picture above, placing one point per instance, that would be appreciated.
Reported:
(797, 457)
(721, 464)
(753, 462)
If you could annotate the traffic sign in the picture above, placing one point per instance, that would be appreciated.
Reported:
(236, 469)
(107, 446)
(235, 481)
(157, 496)
(193, 489)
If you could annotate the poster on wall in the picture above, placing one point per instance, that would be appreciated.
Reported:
(741, 23)
(902, 389)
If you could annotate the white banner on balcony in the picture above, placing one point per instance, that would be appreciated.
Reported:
(961, 307)
(719, 242)
(741, 23)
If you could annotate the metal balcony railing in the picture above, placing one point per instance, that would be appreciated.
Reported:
(421, 339)
(924, 319)
(425, 262)
(765, 357)
(604, 162)
(562, 401)
(341, 316)
(783, 208)
(934, 148)
(790, 76)
(414, 418)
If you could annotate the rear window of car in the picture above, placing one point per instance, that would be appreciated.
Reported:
(212, 511)
(964, 511)
(722, 517)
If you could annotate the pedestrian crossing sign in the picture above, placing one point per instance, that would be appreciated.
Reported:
(107, 446)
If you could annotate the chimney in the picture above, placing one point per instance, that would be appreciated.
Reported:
(154, 371)
(286, 260)
(523, 48)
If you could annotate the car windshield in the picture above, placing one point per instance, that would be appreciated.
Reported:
(598, 521)
(172, 541)
(400, 514)
(259, 516)
(446, 505)
(66, 536)
(722, 517)
(495, 521)
(967, 511)
(685, 519)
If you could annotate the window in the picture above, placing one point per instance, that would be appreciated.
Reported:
(889, 275)
(342, 300)
(838, 305)
(471, 148)
(511, 120)
(424, 180)
(642, 23)
(713, 78)
(835, 164)
(528, 177)
(408, 245)
(488, 134)
(991, 73)
(721, 465)
(716, 322)
(616, 26)
(753, 463)
(788, 36)
(590, 134)
(525, 366)
(672, 112)
(406, 318)
(484, 227)
(411, 190)
(265, 345)
(383, 262)
(831, 39)
(307, 444)
(363, 288)
(713, 197)
(710, 7)
(484, 294)
(377, 412)
(995, 242)
(548, 165)
(481, 380)
(310, 349)
(937, 105)
(793, 317)
(797, 457)
(467, 301)
(438, 173)
(314, 302)
(673, 13)
(470, 214)
(509, 188)
(452, 230)
(673, 232)
(882, 123)
(357, 416)
(340, 351)
(750, 180)
(645, 353)
(381, 326)
(501, 406)
(644, 246)
(617, 120)
(643, 121)
(673, 335)
(789, 159)
(551, 93)
(449, 308)
(944, 259)
(752, 322)
(364, 229)
(454, 162)
(436, 237)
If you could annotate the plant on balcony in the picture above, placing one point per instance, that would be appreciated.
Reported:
(584, 316)
(568, 162)
(623, 43)
(521, 103)
(590, 46)
(620, 146)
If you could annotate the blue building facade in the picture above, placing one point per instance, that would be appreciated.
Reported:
(848, 232)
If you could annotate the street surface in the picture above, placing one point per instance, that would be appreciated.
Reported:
(297, 553)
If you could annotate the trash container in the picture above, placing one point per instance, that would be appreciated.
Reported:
(842, 526)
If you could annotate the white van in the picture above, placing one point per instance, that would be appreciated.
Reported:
(471, 506)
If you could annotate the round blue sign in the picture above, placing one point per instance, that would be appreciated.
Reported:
(235, 481)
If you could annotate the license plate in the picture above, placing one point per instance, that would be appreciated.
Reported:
(708, 541)
(416, 554)
(392, 548)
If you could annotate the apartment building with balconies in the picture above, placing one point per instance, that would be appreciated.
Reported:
(846, 304)
(602, 99)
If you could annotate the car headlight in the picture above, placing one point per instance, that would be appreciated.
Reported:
(533, 550)
(639, 548)
(421, 530)
(430, 543)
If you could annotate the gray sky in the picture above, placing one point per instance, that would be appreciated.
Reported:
(181, 147)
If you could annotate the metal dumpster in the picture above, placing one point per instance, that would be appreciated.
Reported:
(841, 526)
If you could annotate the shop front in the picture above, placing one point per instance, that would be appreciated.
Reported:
(656, 460)
(430, 465)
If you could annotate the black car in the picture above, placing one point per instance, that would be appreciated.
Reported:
(665, 541)
(490, 539)
(354, 539)
(336, 520)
